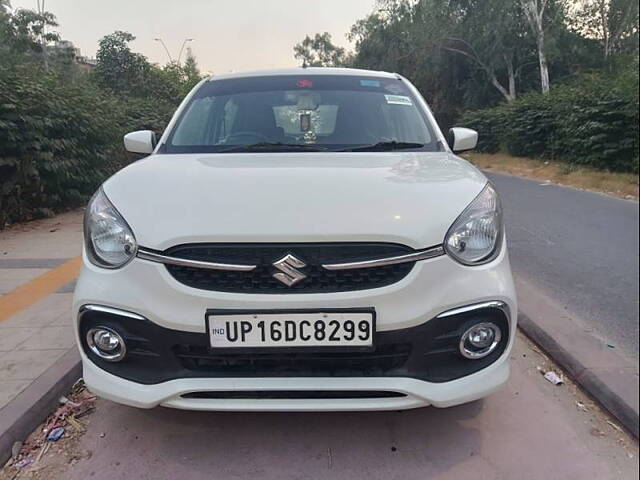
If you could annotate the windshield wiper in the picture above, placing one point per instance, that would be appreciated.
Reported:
(273, 147)
(382, 147)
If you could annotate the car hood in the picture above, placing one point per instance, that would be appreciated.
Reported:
(403, 197)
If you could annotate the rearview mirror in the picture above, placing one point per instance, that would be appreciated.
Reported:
(142, 141)
(462, 139)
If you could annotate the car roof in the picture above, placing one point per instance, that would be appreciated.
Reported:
(303, 71)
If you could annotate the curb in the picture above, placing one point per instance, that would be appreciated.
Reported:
(28, 409)
(608, 377)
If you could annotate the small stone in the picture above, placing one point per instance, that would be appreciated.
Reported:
(15, 449)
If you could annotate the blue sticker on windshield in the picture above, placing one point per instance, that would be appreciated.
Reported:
(369, 83)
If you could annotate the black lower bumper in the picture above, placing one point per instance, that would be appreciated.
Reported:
(426, 352)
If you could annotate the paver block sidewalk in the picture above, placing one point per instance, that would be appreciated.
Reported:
(33, 338)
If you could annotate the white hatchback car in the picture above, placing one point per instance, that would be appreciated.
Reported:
(299, 239)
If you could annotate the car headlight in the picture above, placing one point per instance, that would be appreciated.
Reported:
(475, 236)
(108, 238)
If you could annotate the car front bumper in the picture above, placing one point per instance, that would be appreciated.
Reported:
(405, 308)
(418, 393)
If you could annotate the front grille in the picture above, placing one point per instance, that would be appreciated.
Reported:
(261, 280)
(383, 359)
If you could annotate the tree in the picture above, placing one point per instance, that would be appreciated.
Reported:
(130, 74)
(481, 45)
(496, 42)
(613, 22)
(27, 31)
(319, 51)
(190, 70)
(118, 68)
(488, 41)
(535, 13)
(5, 25)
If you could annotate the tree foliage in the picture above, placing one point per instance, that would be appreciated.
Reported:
(614, 23)
(57, 142)
(465, 54)
(592, 122)
(319, 51)
(119, 69)
(61, 129)
(471, 55)
(25, 33)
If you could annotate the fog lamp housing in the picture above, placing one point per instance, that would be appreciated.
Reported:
(106, 343)
(480, 340)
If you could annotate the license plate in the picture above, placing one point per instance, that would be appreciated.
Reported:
(312, 329)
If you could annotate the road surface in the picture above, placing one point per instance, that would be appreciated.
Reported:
(581, 249)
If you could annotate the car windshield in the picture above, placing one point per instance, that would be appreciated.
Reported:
(302, 113)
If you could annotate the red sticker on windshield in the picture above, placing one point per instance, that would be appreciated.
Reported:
(304, 83)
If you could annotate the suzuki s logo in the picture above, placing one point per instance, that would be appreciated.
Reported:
(289, 273)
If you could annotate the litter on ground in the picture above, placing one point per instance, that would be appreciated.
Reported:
(60, 425)
(554, 378)
(55, 434)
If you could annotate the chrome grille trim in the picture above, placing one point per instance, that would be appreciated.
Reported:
(381, 262)
(183, 262)
(110, 310)
(477, 306)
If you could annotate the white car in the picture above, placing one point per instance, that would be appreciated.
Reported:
(301, 239)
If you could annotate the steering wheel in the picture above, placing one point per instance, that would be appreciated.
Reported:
(252, 137)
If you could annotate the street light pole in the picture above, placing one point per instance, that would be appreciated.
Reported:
(165, 48)
(182, 48)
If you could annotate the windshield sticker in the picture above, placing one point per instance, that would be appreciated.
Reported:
(394, 88)
(398, 100)
(369, 83)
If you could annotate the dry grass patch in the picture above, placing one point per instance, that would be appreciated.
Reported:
(623, 185)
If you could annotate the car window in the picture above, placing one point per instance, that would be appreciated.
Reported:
(332, 112)
(192, 130)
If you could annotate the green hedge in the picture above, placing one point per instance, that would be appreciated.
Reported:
(59, 141)
(593, 122)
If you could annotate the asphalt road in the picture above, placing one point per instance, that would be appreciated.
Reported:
(580, 249)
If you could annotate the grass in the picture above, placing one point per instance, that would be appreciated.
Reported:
(622, 185)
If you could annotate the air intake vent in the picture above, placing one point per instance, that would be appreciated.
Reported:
(294, 394)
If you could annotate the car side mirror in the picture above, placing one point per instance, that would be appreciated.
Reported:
(462, 139)
(142, 141)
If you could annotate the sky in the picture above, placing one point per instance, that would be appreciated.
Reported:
(228, 35)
